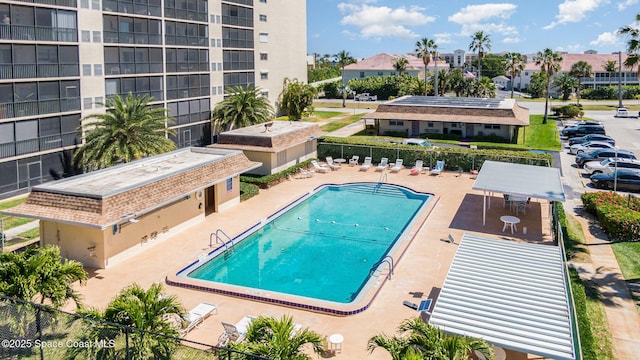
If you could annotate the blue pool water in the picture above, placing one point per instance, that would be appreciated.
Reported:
(322, 248)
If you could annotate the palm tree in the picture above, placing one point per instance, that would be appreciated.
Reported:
(581, 70)
(633, 44)
(129, 130)
(424, 50)
(400, 65)
(278, 339)
(481, 43)
(344, 90)
(549, 62)
(514, 65)
(242, 108)
(611, 66)
(148, 311)
(566, 83)
(343, 58)
(457, 82)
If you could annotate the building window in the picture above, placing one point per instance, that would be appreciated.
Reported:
(263, 1)
(264, 56)
(97, 69)
(84, 4)
(86, 69)
(380, 73)
(85, 35)
(237, 15)
(99, 101)
(97, 36)
(264, 37)
(396, 123)
(95, 4)
(430, 124)
(491, 126)
(526, 73)
(265, 94)
(361, 74)
(238, 59)
(87, 103)
(263, 18)
(264, 76)
(229, 184)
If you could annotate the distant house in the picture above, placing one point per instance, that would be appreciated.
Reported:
(467, 117)
(382, 65)
(502, 82)
(277, 144)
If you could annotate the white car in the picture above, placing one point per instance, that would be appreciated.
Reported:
(622, 112)
(608, 166)
(418, 142)
(589, 145)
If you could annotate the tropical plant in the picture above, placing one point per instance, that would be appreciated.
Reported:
(611, 68)
(417, 337)
(425, 49)
(148, 311)
(410, 85)
(343, 58)
(566, 83)
(400, 64)
(40, 275)
(344, 91)
(549, 62)
(278, 339)
(633, 44)
(580, 70)
(457, 81)
(130, 129)
(241, 108)
(443, 81)
(513, 65)
(537, 85)
(296, 98)
(492, 65)
(481, 43)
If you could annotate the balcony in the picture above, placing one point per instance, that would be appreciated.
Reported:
(40, 33)
(41, 107)
(43, 143)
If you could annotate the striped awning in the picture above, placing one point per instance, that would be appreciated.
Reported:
(513, 295)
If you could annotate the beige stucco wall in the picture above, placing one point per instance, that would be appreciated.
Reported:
(438, 128)
(224, 198)
(266, 158)
(293, 155)
(74, 242)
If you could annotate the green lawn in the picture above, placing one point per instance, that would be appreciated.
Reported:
(316, 117)
(12, 221)
(350, 105)
(338, 124)
(540, 136)
(628, 256)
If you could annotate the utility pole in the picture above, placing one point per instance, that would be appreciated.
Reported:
(619, 80)
(436, 79)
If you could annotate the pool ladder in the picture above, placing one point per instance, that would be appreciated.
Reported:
(382, 180)
(220, 239)
(385, 260)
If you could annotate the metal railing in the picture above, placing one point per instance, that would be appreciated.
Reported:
(39, 144)
(385, 260)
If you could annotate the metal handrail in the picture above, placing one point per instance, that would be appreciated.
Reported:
(220, 240)
(385, 260)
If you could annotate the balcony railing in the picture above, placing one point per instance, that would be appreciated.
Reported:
(41, 107)
(68, 3)
(22, 32)
(39, 144)
(23, 71)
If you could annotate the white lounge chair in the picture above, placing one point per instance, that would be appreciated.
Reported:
(384, 163)
(397, 166)
(304, 173)
(438, 169)
(354, 160)
(235, 332)
(331, 164)
(418, 168)
(319, 168)
(366, 164)
(197, 315)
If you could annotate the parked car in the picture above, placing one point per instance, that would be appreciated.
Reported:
(417, 142)
(608, 166)
(583, 122)
(592, 137)
(366, 97)
(627, 180)
(589, 145)
(622, 112)
(600, 154)
(582, 130)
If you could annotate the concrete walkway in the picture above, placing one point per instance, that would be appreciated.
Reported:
(14, 232)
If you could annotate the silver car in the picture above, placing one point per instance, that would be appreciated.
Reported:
(608, 166)
(589, 145)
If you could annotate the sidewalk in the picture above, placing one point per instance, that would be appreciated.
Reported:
(14, 232)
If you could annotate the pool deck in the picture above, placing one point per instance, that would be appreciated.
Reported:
(419, 274)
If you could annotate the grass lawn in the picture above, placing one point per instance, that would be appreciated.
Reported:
(338, 124)
(540, 136)
(628, 256)
(350, 105)
(316, 117)
(12, 221)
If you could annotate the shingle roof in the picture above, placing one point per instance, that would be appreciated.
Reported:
(384, 61)
(103, 211)
(597, 61)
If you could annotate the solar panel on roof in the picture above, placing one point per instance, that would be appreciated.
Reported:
(449, 101)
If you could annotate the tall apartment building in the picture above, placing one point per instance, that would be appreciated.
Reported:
(60, 59)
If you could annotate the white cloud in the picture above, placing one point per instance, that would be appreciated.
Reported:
(571, 11)
(606, 39)
(443, 38)
(573, 48)
(489, 18)
(383, 21)
(511, 40)
(625, 4)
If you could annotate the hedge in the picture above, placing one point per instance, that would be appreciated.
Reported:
(456, 158)
(247, 191)
(267, 181)
(619, 216)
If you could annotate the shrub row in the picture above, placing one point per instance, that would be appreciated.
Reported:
(619, 216)
(247, 191)
(456, 158)
(267, 181)
(570, 110)
(610, 92)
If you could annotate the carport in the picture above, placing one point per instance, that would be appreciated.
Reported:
(513, 295)
(528, 181)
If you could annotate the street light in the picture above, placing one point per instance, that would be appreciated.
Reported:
(615, 171)
(619, 79)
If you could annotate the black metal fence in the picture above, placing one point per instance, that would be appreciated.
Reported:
(34, 331)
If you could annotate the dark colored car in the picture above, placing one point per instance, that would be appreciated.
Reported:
(599, 154)
(582, 130)
(628, 180)
(592, 137)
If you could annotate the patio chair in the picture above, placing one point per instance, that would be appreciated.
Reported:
(331, 164)
(317, 167)
(305, 173)
(384, 163)
(438, 169)
(397, 166)
(235, 332)
(197, 315)
(354, 160)
(366, 164)
(418, 168)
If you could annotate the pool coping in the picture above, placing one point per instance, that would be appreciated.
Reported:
(360, 304)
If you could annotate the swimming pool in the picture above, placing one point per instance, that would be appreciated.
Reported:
(324, 246)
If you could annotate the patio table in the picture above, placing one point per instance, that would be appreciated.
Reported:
(509, 221)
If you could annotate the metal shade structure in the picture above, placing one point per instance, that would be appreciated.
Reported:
(528, 181)
(513, 295)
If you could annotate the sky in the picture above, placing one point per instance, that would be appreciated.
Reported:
(368, 27)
